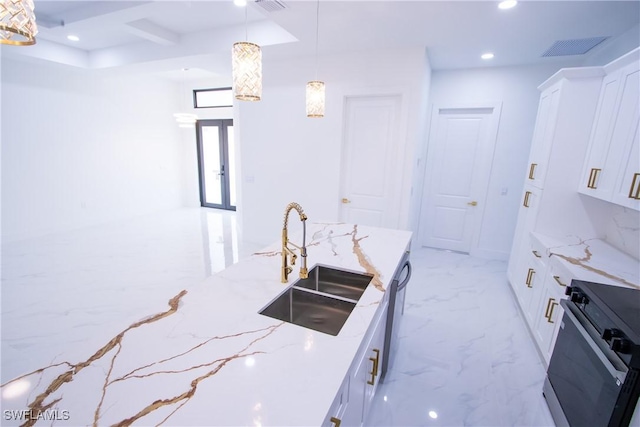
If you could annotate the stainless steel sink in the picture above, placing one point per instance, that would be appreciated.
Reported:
(311, 310)
(323, 302)
(345, 284)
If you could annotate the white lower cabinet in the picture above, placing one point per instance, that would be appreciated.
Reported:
(353, 401)
(521, 242)
(540, 287)
(369, 377)
(338, 411)
(533, 281)
(549, 311)
(528, 276)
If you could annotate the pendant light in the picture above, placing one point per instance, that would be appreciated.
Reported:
(246, 64)
(315, 88)
(185, 120)
(17, 23)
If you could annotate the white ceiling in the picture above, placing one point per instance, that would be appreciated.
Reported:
(165, 36)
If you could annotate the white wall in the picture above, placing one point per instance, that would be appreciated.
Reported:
(286, 156)
(420, 153)
(516, 88)
(80, 148)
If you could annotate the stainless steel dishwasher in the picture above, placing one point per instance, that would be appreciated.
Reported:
(397, 294)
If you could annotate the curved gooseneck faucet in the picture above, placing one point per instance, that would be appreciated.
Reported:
(288, 252)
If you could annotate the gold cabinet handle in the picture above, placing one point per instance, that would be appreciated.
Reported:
(372, 381)
(474, 203)
(557, 279)
(377, 362)
(374, 368)
(345, 200)
(634, 193)
(526, 199)
(550, 306)
(593, 176)
(336, 421)
(546, 310)
(532, 169)
(536, 254)
(530, 274)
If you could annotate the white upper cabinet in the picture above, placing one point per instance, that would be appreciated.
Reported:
(627, 190)
(543, 135)
(611, 170)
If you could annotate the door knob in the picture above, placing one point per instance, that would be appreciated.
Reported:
(474, 203)
(345, 200)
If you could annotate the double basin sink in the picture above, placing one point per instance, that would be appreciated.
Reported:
(322, 302)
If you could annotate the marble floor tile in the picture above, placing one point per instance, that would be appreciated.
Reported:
(464, 354)
(465, 357)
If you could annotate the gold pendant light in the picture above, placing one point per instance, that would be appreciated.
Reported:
(315, 88)
(247, 71)
(17, 22)
(246, 64)
(315, 99)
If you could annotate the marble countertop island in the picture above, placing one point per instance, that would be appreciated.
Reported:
(207, 357)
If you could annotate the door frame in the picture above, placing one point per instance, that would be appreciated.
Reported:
(222, 125)
(486, 167)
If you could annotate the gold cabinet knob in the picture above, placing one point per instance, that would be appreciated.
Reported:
(345, 200)
(474, 203)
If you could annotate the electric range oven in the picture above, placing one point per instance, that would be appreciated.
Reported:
(593, 375)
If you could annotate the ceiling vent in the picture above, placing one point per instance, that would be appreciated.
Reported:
(573, 47)
(271, 5)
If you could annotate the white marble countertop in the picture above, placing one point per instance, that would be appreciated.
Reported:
(592, 260)
(207, 357)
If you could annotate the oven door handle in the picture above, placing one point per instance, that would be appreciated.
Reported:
(615, 373)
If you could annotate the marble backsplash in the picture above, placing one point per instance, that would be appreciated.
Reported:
(623, 230)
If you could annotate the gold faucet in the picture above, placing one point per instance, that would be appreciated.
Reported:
(286, 251)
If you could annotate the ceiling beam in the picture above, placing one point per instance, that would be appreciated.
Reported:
(153, 32)
(87, 10)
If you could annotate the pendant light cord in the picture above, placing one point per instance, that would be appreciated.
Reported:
(317, 33)
(246, 25)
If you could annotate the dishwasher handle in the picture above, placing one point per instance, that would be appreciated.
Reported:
(407, 266)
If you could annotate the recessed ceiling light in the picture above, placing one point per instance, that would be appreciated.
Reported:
(487, 55)
(507, 4)
(73, 38)
(240, 3)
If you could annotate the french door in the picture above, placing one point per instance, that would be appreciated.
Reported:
(216, 158)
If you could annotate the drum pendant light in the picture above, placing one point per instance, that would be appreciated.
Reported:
(246, 64)
(315, 88)
(17, 23)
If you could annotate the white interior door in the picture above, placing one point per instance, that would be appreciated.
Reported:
(461, 146)
(371, 159)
